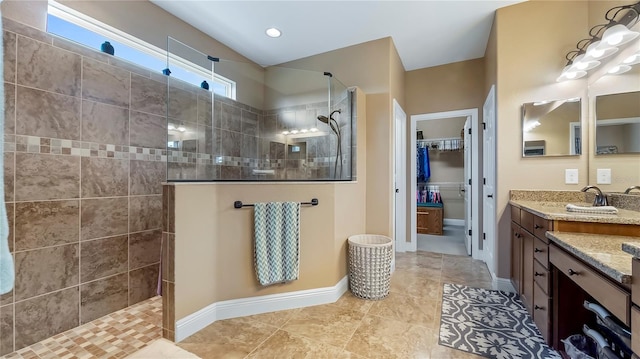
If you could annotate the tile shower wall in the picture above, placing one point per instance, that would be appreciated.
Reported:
(84, 160)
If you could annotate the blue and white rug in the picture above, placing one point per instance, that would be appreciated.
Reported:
(490, 323)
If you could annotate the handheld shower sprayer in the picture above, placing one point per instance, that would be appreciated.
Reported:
(335, 127)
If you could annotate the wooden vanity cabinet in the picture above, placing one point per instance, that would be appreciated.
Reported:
(429, 220)
(530, 273)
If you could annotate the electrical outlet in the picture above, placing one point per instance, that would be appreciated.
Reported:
(603, 176)
(571, 176)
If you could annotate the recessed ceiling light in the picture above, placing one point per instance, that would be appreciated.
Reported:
(273, 32)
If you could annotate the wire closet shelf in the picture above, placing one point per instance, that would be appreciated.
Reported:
(442, 144)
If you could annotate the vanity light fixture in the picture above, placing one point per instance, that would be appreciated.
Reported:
(604, 41)
(273, 32)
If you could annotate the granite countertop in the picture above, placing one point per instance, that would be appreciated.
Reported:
(632, 248)
(557, 211)
(604, 252)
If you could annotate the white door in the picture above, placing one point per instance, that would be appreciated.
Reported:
(399, 178)
(489, 173)
(467, 186)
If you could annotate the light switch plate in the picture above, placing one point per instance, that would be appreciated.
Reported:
(571, 176)
(603, 176)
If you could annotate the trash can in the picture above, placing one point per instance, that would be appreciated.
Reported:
(578, 346)
(370, 265)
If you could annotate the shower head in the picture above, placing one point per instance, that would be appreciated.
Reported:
(323, 119)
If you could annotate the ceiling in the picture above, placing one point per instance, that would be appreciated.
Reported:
(426, 33)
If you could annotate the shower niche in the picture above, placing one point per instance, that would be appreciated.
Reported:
(278, 124)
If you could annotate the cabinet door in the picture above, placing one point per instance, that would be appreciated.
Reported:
(516, 257)
(527, 270)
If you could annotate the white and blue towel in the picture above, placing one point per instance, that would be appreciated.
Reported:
(277, 241)
(7, 273)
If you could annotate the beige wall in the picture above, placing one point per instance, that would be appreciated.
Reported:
(214, 241)
(396, 76)
(379, 159)
(448, 87)
(364, 65)
(529, 59)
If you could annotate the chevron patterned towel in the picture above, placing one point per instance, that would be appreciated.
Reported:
(277, 241)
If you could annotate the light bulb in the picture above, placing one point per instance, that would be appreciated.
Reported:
(618, 35)
(619, 69)
(313, 129)
(285, 132)
(304, 130)
(294, 131)
(181, 128)
(632, 60)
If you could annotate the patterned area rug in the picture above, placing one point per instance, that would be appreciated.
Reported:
(490, 323)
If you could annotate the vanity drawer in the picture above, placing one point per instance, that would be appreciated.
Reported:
(541, 276)
(515, 214)
(540, 228)
(542, 312)
(526, 220)
(614, 299)
(541, 252)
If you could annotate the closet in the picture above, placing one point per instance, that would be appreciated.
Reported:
(444, 155)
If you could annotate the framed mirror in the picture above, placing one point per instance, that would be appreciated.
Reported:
(618, 123)
(551, 128)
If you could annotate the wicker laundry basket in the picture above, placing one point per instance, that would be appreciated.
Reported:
(370, 265)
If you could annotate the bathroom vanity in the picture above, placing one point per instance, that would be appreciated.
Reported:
(560, 259)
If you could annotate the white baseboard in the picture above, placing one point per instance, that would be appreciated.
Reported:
(503, 284)
(235, 308)
(453, 222)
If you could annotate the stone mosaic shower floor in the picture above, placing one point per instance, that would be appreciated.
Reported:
(113, 336)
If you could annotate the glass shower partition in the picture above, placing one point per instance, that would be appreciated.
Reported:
(254, 123)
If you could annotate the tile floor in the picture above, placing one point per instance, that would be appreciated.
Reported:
(404, 325)
(113, 336)
(450, 242)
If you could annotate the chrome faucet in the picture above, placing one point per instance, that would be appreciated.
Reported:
(628, 190)
(600, 200)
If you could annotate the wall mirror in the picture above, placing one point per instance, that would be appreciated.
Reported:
(551, 128)
(618, 123)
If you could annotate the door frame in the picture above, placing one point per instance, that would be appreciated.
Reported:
(471, 113)
(490, 227)
(399, 182)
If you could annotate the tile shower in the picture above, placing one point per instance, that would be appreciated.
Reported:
(85, 157)
(84, 160)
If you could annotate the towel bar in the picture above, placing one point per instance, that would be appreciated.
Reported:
(239, 204)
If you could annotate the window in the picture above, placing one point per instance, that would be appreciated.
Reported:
(72, 25)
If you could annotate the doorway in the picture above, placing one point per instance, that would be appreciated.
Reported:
(454, 177)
